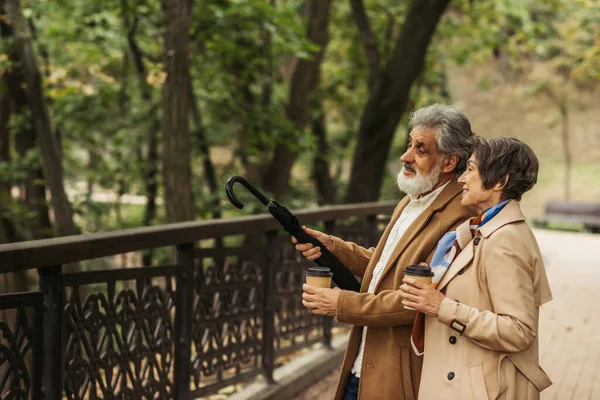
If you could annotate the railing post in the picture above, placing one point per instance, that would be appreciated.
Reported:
(183, 321)
(51, 287)
(328, 321)
(268, 314)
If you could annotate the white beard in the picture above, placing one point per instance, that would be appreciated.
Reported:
(419, 183)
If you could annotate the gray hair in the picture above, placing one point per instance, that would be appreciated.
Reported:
(509, 161)
(454, 135)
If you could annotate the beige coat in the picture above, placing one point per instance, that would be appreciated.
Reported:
(495, 288)
(390, 369)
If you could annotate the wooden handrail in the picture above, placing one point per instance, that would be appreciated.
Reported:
(70, 249)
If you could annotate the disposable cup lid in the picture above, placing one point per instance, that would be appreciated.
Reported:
(318, 271)
(418, 270)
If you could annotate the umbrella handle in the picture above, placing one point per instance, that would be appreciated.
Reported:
(248, 185)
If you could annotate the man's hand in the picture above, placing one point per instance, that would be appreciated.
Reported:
(421, 297)
(321, 301)
(307, 249)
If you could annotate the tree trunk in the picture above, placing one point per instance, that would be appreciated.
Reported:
(176, 141)
(564, 118)
(561, 102)
(151, 160)
(325, 185)
(209, 169)
(369, 42)
(54, 172)
(304, 81)
(18, 281)
(251, 133)
(387, 103)
(38, 225)
(7, 227)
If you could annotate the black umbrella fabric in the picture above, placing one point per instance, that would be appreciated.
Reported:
(342, 277)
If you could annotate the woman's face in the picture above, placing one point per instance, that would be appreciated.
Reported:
(474, 195)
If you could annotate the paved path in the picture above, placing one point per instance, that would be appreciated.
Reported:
(569, 325)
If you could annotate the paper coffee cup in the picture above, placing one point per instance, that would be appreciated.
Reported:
(318, 277)
(421, 273)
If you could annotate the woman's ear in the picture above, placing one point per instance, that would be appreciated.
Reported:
(498, 187)
(450, 163)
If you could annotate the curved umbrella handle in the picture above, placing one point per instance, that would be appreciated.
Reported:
(248, 185)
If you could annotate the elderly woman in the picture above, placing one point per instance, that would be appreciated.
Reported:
(481, 314)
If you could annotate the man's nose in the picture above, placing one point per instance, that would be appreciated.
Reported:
(407, 157)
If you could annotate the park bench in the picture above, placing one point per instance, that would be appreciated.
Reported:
(571, 213)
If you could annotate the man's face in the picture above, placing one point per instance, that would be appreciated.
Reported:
(422, 162)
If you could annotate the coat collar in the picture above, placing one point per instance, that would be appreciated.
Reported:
(509, 214)
(452, 189)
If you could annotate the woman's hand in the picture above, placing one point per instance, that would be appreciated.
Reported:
(307, 249)
(421, 297)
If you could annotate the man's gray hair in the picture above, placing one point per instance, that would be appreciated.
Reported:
(454, 135)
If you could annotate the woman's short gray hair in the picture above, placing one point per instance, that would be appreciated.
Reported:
(509, 161)
(454, 135)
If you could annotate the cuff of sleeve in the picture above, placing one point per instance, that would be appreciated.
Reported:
(339, 313)
(448, 311)
(335, 243)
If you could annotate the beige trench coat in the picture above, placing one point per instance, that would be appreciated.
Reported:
(493, 289)
(390, 369)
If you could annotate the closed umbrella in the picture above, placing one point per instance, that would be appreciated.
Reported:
(342, 277)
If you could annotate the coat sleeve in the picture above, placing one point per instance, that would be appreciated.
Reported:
(507, 270)
(353, 256)
(385, 308)
(375, 310)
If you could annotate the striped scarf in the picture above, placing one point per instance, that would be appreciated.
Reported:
(448, 248)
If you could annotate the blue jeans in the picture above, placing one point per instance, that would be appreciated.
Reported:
(352, 388)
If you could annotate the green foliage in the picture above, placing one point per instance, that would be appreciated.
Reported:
(242, 55)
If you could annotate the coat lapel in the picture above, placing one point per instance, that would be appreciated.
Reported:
(440, 202)
(509, 214)
(463, 259)
(386, 233)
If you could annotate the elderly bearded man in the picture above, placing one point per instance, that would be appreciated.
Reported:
(379, 362)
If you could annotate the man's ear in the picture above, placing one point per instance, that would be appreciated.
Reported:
(498, 187)
(450, 163)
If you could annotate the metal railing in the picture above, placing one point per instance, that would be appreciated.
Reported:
(213, 317)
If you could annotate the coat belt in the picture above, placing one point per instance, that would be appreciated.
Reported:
(534, 373)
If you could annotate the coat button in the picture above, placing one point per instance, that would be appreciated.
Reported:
(476, 241)
(450, 376)
(452, 339)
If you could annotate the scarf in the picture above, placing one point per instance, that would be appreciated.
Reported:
(448, 248)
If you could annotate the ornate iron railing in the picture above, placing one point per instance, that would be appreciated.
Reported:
(213, 317)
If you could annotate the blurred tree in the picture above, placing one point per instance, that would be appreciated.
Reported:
(567, 61)
(34, 222)
(389, 98)
(150, 161)
(304, 98)
(22, 41)
(551, 47)
(303, 81)
(176, 141)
